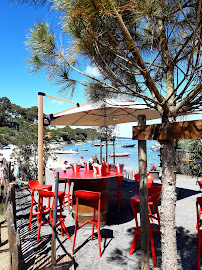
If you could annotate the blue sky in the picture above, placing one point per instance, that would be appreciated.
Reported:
(16, 83)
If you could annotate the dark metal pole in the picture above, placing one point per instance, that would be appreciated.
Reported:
(106, 150)
(101, 151)
(114, 151)
(53, 242)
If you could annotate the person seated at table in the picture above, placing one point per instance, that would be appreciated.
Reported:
(81, 162)
(66, 164)
(91, 161)
(96, 159)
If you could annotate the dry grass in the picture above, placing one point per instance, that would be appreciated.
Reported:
(4, 247)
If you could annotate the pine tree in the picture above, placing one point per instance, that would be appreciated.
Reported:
(145, 50)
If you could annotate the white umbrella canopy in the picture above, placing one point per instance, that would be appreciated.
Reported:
(103, 113)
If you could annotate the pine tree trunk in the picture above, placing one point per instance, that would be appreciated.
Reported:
(168, 203)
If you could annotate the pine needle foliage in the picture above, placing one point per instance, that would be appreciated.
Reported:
(144, 49)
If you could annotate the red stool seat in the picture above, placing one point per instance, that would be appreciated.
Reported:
(95, 197)
(49, 195)
(34, 185)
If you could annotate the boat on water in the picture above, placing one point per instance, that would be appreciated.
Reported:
(128, 145)
(96, 144)
(119, 155)
(80, 143)
(63, 151)
(56, 144)
(8, 147)
(83, 149)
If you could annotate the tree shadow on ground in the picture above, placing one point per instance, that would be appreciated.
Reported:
(187, 249)
(125, 215)
(183, 193)
(28, 238)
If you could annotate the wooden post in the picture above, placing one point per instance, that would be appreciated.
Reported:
(9, 171)
(13, 201)
(40, 137)
(143, 191)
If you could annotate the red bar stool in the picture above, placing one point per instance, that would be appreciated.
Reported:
(137, 232)
(49, 194)
(118, 195)
(150, 179)
(95, 197)
(198, 227)
(200, 209)
(35, 186)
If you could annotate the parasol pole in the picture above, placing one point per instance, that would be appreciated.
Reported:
(40, 131)
(40, 137)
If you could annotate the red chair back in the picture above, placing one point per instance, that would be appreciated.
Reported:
(150, 180)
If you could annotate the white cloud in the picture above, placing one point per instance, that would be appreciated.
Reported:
(92, 71)
(54, 101)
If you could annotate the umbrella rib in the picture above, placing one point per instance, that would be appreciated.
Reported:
(127, 113)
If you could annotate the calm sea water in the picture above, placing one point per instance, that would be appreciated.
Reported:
(130, 162)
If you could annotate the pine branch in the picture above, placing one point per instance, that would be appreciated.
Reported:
(134, 50)
(196, 91)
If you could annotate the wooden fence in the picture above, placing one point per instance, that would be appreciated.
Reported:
(13, 232)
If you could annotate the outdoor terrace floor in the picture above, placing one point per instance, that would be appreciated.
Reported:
(117, 234)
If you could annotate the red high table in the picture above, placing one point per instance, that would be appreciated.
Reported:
(88, 180)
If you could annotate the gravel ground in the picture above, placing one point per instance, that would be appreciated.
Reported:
(117, 234)
(4, 247)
